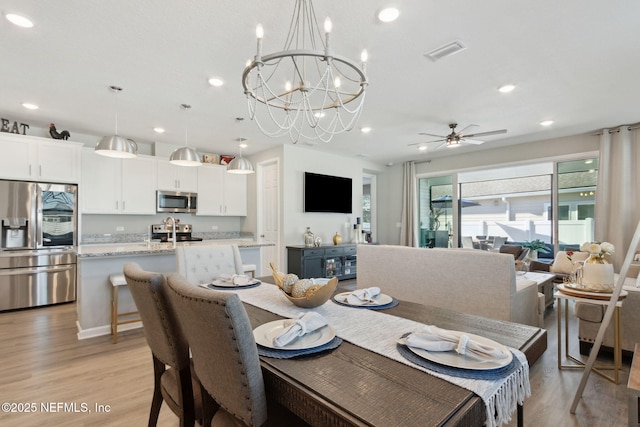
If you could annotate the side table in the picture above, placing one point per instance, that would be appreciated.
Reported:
(591, 298)
(545, 283)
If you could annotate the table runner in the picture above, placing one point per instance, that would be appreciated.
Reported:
(500, 396)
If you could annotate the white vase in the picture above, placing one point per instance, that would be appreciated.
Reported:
(598, 276)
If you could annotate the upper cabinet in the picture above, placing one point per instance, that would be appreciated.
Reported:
(176, 178)
(117, 186)
(38, 159)
(221, 193)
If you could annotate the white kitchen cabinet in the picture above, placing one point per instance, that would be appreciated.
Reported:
(38, 159)
(117, 186)
(176, 178)
(221, 193)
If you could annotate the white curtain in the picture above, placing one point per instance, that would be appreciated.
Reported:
(408, 225)
(618, 192)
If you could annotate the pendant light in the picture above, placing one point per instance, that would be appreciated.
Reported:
(115, 145)
(185, 156)
(240, 165)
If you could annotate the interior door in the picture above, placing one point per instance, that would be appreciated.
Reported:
(269, 214)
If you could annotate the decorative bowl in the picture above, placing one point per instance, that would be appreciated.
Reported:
(316, 299)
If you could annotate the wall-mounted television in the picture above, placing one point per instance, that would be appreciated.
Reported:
(325, 193)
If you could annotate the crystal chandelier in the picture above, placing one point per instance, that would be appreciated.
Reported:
(305, 90)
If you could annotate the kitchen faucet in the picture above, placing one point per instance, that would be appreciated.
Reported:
(171, 220)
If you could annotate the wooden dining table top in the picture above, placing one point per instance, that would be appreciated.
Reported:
(352, 386)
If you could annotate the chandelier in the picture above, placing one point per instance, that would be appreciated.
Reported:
(305, 90)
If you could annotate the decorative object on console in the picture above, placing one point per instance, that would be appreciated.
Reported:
(317, 242)
(185, 156)
(115, 145)
(337, 239)
(309, 239)
(58, 135)
(314, 106)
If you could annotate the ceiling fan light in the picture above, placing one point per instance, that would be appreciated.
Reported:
(185, 156)
(116, 146)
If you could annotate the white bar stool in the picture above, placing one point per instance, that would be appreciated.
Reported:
(118, 280)
(249, 268)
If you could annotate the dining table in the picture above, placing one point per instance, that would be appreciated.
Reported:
(354, 386)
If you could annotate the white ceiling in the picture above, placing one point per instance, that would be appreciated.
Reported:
(575, 62)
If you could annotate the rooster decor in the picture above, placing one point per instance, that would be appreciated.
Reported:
(58, 135)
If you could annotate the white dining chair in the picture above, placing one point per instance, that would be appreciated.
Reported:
(204, 263)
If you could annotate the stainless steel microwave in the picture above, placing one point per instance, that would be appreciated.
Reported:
(172, 201)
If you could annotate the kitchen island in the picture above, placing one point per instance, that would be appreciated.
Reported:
(96, 262)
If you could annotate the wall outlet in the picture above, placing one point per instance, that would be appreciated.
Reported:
(119, 228)
(214, 227)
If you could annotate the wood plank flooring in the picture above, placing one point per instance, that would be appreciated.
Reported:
(43, 363)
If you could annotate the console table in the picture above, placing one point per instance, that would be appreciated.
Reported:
(322, 261)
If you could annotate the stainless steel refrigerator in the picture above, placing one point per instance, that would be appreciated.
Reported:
(39, 227)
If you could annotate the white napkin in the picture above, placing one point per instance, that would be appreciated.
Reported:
(295, 328)
(236, 279)
(433, 338)
(362, 296)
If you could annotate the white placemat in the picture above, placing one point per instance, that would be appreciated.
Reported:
(500, 397)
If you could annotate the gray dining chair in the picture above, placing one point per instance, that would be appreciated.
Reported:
(173, 379)
(203, 263)
(225, 355)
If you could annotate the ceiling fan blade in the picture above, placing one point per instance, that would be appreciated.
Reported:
(425, 142)
(471, 141)
(431, 134)
(461, 132)
(444, 144)
(493, 132)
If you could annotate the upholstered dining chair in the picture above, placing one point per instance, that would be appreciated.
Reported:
(175, 385)
(225, 355)
(203, 263)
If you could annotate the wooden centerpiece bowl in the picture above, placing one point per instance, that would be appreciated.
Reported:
(314, 297)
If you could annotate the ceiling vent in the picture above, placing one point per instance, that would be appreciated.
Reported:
(446, 50)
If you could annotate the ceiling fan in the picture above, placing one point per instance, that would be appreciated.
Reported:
(456, 138)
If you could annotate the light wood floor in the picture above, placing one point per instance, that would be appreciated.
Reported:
(43, 363)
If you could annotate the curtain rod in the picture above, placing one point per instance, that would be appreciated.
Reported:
(616, 129)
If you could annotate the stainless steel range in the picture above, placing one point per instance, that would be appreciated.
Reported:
(38, 225)
(164, 232)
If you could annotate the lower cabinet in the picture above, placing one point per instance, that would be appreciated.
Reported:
(322, 261)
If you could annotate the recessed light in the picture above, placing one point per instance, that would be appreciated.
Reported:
(319, 115)
(30, 106)
(214, 81)
(243, 145)
(422, 147)
(546, 123)
(365, 129)
(158, 130)
(19, 20)
(507, 88)
(388, 14)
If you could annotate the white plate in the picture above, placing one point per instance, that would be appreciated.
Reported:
(380, 299)
(453, 359)
(264, 335)
(230, 284)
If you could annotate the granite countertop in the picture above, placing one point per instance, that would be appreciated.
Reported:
(120, 249)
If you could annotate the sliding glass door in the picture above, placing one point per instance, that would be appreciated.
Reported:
(434, 210)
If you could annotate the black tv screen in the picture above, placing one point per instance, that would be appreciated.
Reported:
(324, 193)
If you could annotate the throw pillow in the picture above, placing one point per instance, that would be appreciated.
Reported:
(562, 264)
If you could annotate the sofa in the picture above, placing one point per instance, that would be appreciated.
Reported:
(465, 280)
(590, 317)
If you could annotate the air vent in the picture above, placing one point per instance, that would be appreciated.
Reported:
(446, 50)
